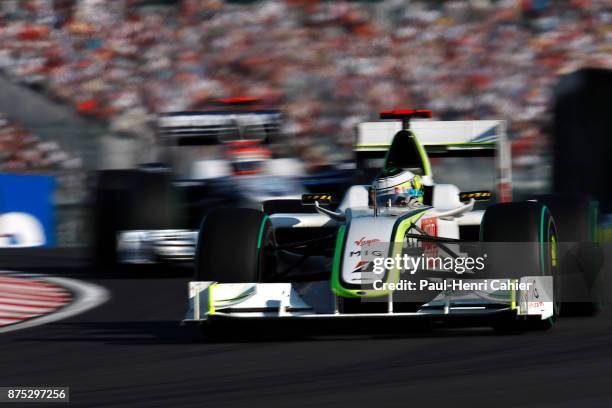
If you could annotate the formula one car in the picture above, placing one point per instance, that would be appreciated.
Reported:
(221, 157)
(346, 263)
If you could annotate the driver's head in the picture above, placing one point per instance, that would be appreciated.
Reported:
(247, 157)
(398, 187)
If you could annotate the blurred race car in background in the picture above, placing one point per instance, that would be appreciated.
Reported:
(223, 157)
(249, 265)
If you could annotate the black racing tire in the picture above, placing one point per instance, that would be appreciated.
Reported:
(580, 256)
(293, 206)
(235, 245)
(529, 230)
(129, 200)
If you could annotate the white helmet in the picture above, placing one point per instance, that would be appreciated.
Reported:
(398, 187)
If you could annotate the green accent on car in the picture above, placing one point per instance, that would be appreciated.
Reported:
(513, 296)
(457, 144)
(392, 276)
(462, 144)
(372, 146)
(424, 157)
(420, 150)
(261, 231)
(553, 250)
(551, 320)
(337, 261)
(262, 227)
(542, 252)
(398, 243)
(211, 300)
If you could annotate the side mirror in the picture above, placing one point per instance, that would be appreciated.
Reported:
(475, 195)
(321, 198)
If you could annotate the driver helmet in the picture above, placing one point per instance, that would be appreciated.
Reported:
(247, 157)
(398, 188)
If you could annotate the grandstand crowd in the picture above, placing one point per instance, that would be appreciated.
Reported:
(22, 151)
(327, 64)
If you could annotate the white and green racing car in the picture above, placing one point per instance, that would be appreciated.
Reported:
(402, 247)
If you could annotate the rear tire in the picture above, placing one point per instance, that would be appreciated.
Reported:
(529, 223)
(235, 246)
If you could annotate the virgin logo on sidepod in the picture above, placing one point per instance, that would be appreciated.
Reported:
(366, 242)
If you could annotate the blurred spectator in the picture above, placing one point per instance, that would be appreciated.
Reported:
(327, 64)
(22, 151)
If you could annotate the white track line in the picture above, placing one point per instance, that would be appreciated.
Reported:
(86, 296)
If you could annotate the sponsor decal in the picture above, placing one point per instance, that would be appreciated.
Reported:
(430, 249)
(361, 266)
(430, 226)
(366, 242)
(365, 252)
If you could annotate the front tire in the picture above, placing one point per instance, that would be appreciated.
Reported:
(580, 257)
(235, 246)
(530, 230)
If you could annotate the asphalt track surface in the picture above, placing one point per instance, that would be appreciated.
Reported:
(131, 351)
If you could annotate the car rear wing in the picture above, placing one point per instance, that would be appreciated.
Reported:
(478, 138)
(216, 127)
